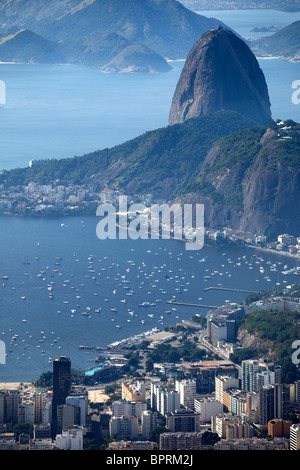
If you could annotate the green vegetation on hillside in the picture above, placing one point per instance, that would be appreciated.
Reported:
(142, 164)
(223, 160)
(139, 58)
(277, 331)
(237, 151)
(285, 42)
(187, 351)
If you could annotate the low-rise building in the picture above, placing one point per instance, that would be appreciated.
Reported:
(180, 441)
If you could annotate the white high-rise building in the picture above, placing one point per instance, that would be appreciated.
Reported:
(250, 368)
(70, 439)
(128, 408)
(164, 401)
(187, 390)
(224, 383)
(295, 437)
(123, 426)
(207, 408)
(265, 377)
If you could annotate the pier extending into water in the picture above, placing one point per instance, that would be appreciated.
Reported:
(231, 290)
(186, 304)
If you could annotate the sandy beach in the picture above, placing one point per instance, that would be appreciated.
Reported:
(14, 385)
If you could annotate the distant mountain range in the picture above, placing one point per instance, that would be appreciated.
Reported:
(284, 43)
(118, 35)
(96, 32)
(284, 5)
(26, 46)
(111, 52)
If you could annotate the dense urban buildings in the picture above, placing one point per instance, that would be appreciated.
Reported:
(209, 403)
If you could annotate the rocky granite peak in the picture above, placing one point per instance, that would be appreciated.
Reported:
(221, 73)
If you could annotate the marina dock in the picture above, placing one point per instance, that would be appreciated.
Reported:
(231, 290)
(173, 302)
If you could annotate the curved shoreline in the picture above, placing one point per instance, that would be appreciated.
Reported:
(275, 252)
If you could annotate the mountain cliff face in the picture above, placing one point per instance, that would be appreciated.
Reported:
(250, 181)
(247, 176)
(221, 72)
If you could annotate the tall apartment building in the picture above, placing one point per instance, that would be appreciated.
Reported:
(26, 412)
(61, 386)
(123, 426)
(68, 416)
(223, 383)
(235, 401)
(133, 391)
(180, 441)
(183, 421)
(252, 406)
(271, 403)
(2, 407)
(295, 437)
(221, 329)
(149, 422)
(265, 377)
(128, 408)
(250, 368)
(40, 401)
(277, 371)
(82, 402)
(297, 391)
(207, 407)
(187, 390)
(9, 406)
(164, 401)
(71, 439)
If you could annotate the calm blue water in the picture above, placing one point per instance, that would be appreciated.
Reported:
(89, 277)
(61, 111)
